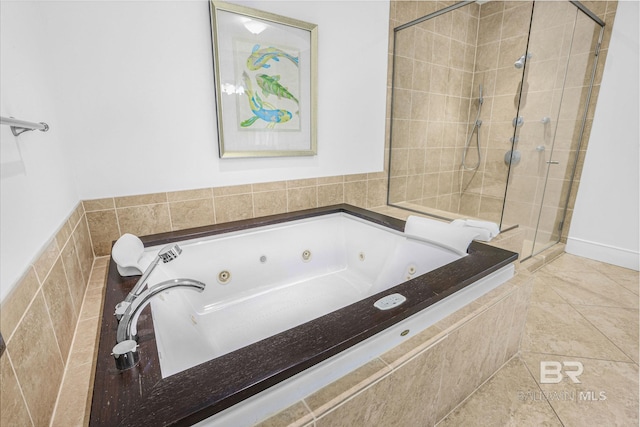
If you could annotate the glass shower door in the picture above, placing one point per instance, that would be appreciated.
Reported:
(553, 115)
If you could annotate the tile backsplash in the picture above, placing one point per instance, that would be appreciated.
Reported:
(40, 315)
(38, 320)
(109, 218)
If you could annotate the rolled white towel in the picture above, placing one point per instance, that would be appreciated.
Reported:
(487, 230)
(456, 239)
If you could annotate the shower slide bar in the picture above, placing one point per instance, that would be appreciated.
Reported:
(20, 126)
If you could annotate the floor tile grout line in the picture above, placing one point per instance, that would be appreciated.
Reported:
(573, 304)
(564, 301)
(592, 270)
(603, 333)
(570, 282)
(629, 362)
(477, 389)
(540, 389)
(592, 325)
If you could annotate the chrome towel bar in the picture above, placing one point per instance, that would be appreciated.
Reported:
(20, 126)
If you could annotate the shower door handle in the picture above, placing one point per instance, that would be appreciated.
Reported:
(553, 162)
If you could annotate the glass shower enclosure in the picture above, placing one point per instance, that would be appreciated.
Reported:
(489, 101)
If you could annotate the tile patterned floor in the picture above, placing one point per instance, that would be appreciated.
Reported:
(581, 311)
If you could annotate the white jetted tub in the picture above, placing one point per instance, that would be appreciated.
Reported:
(291, 303)
(264, 281)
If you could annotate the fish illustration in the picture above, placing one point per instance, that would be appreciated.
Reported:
(259, 57)
(270, 114)
(270, 85)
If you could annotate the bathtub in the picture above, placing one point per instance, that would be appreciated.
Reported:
(292, 302)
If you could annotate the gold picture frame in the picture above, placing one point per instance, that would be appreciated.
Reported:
(265, 71)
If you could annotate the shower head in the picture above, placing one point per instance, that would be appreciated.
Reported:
(520, 62)
(169, 253)
(166, 254)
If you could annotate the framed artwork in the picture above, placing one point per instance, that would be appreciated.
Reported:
(265, 71)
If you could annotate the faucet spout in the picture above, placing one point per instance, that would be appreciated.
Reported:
(166, 254)
(128, 322)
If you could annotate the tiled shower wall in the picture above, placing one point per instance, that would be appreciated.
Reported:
(502, 38)
(437, 88)
(428, 139)
(433, 90)
(38, 320)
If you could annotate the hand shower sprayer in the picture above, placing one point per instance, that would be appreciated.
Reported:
(166, 254)
(476, 128)
(521, 61)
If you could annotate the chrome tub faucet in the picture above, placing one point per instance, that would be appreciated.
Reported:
(166, 254)
(125, 351)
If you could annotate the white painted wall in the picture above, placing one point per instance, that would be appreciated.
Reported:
(138, 78)
(127, 88)
(606, 219)
(37, 190)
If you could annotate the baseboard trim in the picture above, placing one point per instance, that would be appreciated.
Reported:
(606, 253)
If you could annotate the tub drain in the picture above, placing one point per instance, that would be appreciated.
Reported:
(224, 277)
(306, 255)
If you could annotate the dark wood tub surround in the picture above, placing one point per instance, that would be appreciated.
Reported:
(140, 397)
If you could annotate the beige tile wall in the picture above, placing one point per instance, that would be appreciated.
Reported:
(436, 101)
(502, 38)
(39, 317)
(146, 214)
(38, 320)
(433, 91)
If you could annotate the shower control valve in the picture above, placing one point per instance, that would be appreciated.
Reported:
(518, 121)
